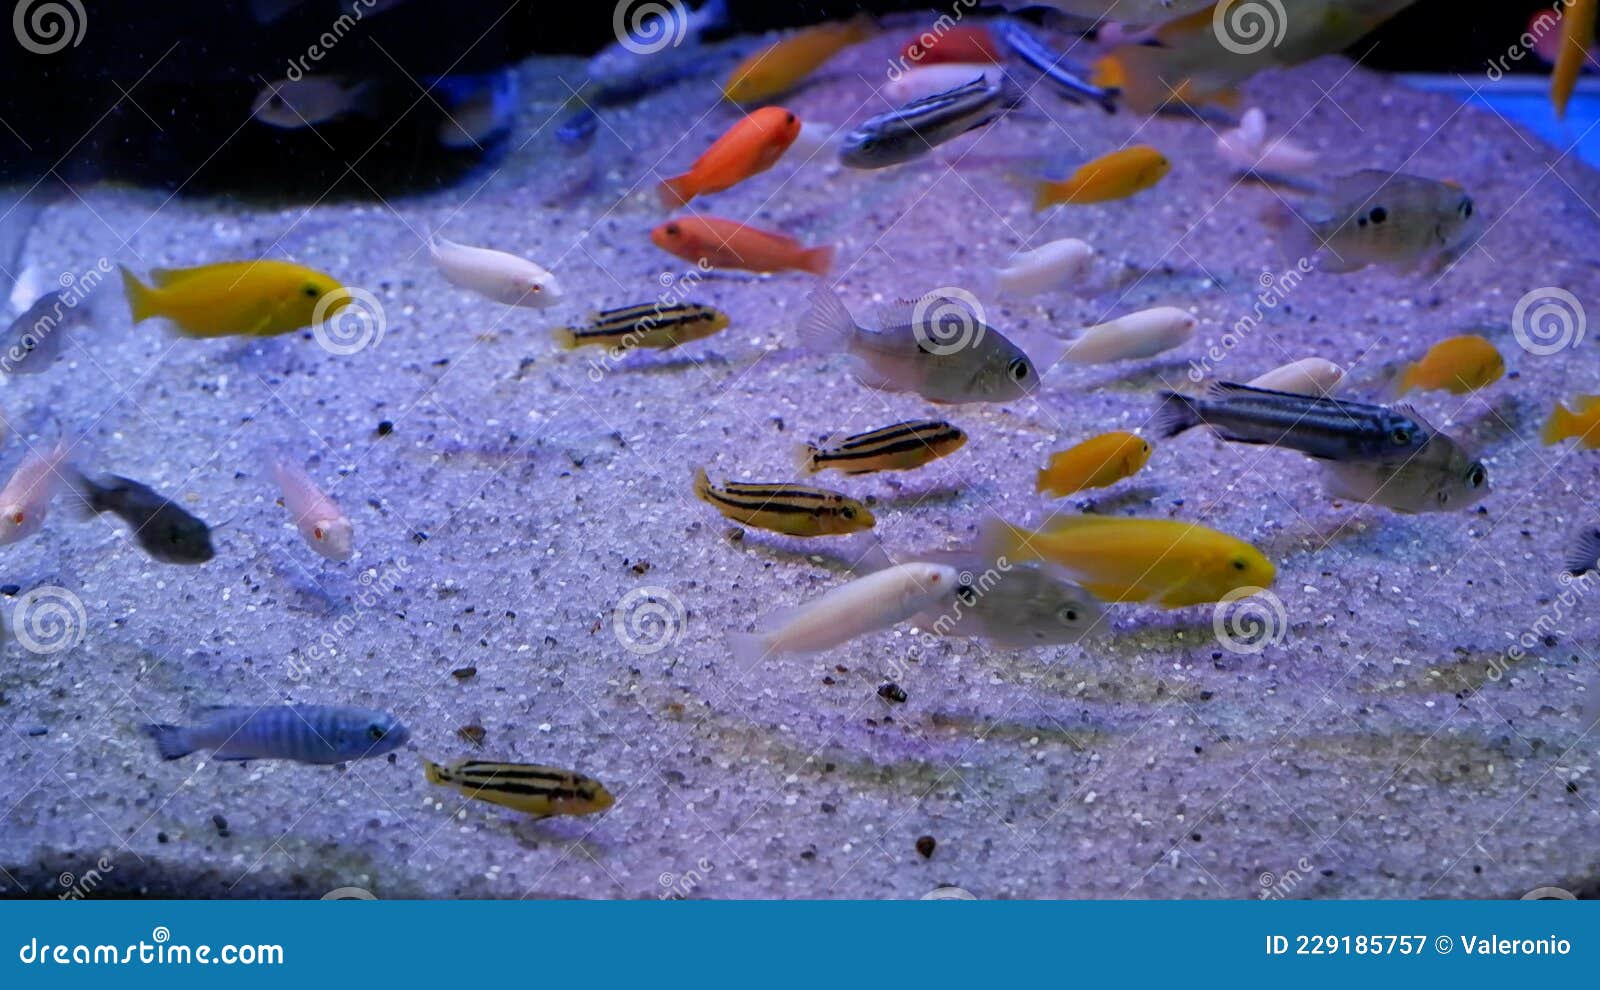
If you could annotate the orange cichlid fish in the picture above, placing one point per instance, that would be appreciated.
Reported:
(729, 244)
(781, 66)
(964, 44)
(1577, 34)
(748, 148)
(1457, 364)
(1582, 422)
(1117, 175)
(1098, 462)
(236, 298)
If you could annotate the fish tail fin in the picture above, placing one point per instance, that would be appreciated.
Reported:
(819, 260)
(828, 326)
(675, 192)
(1584, 554)
(1407, 380)
(172, 741)
(1045, 192)
(805, 457)
(1041, 482)
(566, 339)
(1177, 414)
(1559, 426)
(432, 771)
(141, 298)
(702, 485)
(748, 649)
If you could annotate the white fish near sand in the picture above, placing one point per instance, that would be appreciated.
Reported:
(856, 608)
(1138, 335)
(504, 278)
(1054, 266)
(1248, 147)
(929, 80)
(319, 734)
(1307, 376)
(296, 103)
(25, 499)
(323, 525)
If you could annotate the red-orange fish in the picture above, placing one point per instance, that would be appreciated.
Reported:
(959, 44)
(729, 244)
(748, 148)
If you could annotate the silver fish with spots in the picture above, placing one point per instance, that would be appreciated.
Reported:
(1324, 428)
(1375, 217)
(909, 132)
(319, 734)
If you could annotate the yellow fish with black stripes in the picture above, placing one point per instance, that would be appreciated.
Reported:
(901, 447)
(654, 325)
(527, 787)
(793, 510)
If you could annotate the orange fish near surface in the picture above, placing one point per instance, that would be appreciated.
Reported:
(784, 64)
(728, 244)
(748, 148)
(959, 44)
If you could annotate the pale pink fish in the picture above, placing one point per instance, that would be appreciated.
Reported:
(25, 500)
(321, 522)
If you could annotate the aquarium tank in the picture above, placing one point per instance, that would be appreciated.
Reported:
(723, 449)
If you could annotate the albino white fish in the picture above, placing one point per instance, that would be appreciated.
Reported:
(296, 103)
(496, 275)
(1053, 266)
(1307, 376)
(1247, 147)
(815, 140)
(929, 80)
(325, 527)
(856, 608)
(25, 499)
(1137, 335)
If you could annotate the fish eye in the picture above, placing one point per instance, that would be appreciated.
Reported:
(1240, 565)
(18, 518)
(1444, 498)
(1018, 369)
(376, 732)
(671, 230)
(1378, 214)
(1401, 436)
(1477, 476)
(967, 595)
(316, 531)
(1465, 208)
(848, 512)
(788, 118)
(311, 291)
(1069, 614)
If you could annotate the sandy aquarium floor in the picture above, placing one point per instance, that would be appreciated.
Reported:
(1380, 744)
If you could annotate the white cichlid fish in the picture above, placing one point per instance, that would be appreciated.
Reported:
(496, 275)
(325, 527)
(1054, 266)
(1248, 147)
(1307, 376)
(295, 103)
(856, 608)
(25, 499)
(928, 80)
(1137, 335)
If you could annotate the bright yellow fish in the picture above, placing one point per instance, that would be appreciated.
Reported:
(1577, 33)
(1582, 422)
(781, 66)
(1115, 176)
(1117, 559)
(236, 298)
(1096, 463)
(1457, 364)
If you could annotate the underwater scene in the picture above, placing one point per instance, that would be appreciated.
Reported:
(731, 449)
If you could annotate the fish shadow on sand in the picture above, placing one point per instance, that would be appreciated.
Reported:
(531, 833)
(919, 498)
(841, 555)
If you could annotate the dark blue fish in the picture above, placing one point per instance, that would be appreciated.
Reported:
(576, 133)
(1055, 67)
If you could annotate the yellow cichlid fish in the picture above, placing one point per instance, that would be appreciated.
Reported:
(793, 510)
(1577, 33)
(526, 787)
(236, 298)
(1457, 364)
(781, 66)
(1117, 175)
(1163, 561)
(1582, 422)
(1096, 463)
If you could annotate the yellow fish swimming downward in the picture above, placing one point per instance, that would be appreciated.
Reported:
(236, 298)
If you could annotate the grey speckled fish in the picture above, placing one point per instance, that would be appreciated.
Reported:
(1331, 429)
(1012, 604)
(304, 733)
(1440, 477)
(1375, 217)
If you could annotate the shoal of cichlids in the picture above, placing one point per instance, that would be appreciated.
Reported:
(1060, 577)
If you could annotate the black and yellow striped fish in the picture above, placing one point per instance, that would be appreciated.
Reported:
(900, 447)
(793, 510)
(654, 325)
(526, 787)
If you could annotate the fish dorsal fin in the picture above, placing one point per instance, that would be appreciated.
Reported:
(895, 313)
(1409, 411)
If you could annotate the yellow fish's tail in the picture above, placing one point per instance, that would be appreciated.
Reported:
(805, 458)
(1577, 33)
(433, 771)
(1408, 380)
(566, 339)
(1047, 193)
(141, 298)
(1561, 425)
(702, 485)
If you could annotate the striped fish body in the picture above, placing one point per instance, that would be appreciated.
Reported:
(911, 131)
(651, 325)
(901, 447)
(1330, 429)
(793, 510)
(319, 734)
(527, 787)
